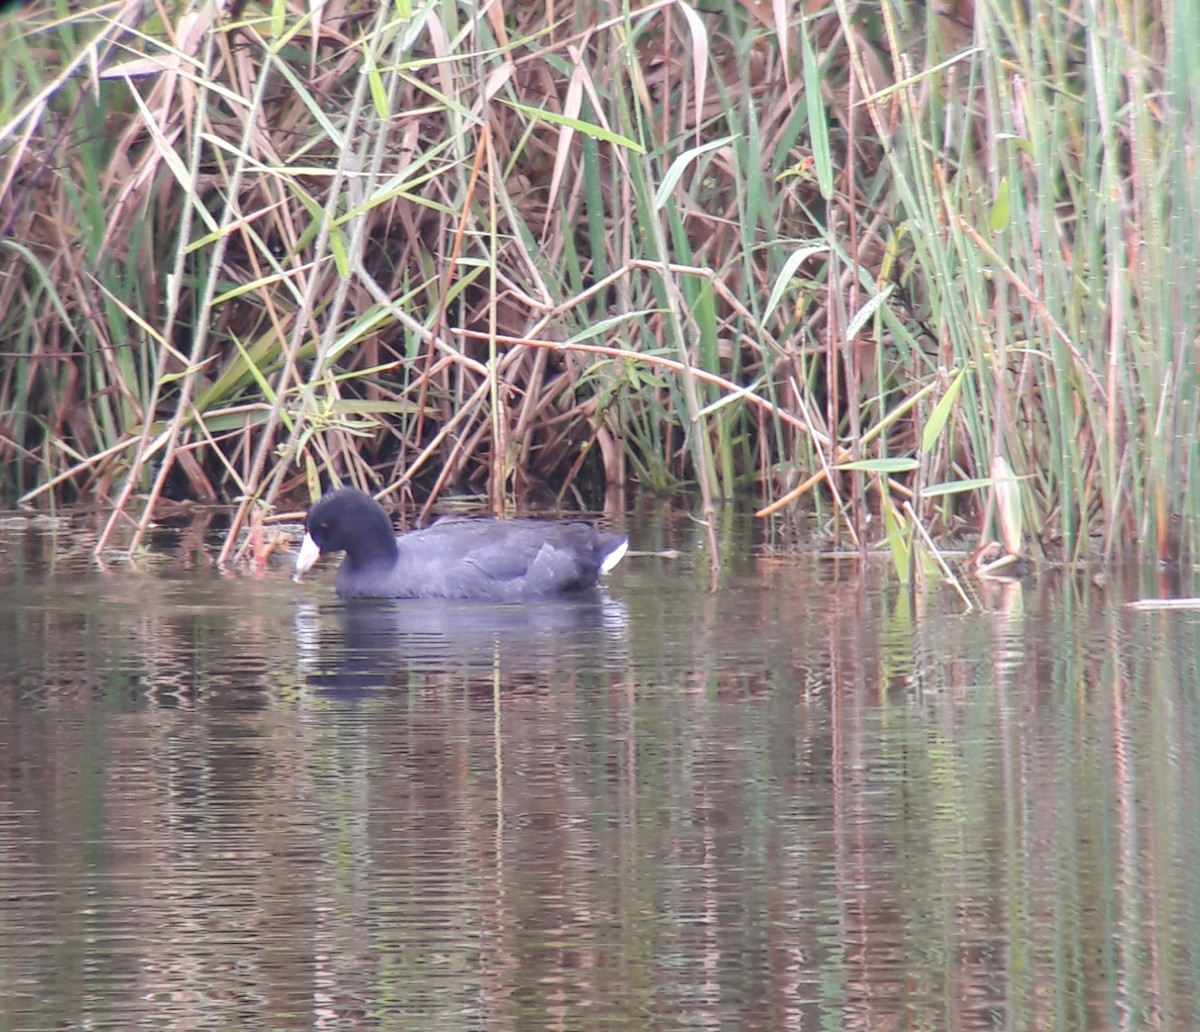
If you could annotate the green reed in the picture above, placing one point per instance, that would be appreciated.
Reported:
(843, 264)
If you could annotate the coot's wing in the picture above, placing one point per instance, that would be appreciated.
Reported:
(540, 558)
(503, 560)
(507, 560)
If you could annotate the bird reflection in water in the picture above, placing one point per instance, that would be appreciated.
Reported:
(362, 646)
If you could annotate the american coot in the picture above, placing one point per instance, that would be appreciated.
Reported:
(491, 560)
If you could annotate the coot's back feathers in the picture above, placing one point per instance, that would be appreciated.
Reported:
(491, 560)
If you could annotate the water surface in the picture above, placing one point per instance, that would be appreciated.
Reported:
(801, 800)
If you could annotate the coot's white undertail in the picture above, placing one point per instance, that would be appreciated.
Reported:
(490, 560)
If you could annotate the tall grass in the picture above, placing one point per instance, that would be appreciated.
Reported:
(848, 259)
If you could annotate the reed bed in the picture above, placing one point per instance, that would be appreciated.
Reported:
(925, 270)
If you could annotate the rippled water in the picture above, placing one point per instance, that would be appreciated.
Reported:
(801, 800)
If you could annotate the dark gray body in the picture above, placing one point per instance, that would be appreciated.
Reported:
(494, 560)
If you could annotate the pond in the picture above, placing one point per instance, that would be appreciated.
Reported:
(798, 800)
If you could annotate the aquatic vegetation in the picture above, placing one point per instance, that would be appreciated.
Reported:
(840, 262)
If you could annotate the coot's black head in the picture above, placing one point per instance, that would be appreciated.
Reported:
(351, 522)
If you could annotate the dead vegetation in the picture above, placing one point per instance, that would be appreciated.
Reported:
(550, 249)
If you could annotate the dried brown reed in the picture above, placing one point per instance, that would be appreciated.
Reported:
(535, 250)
